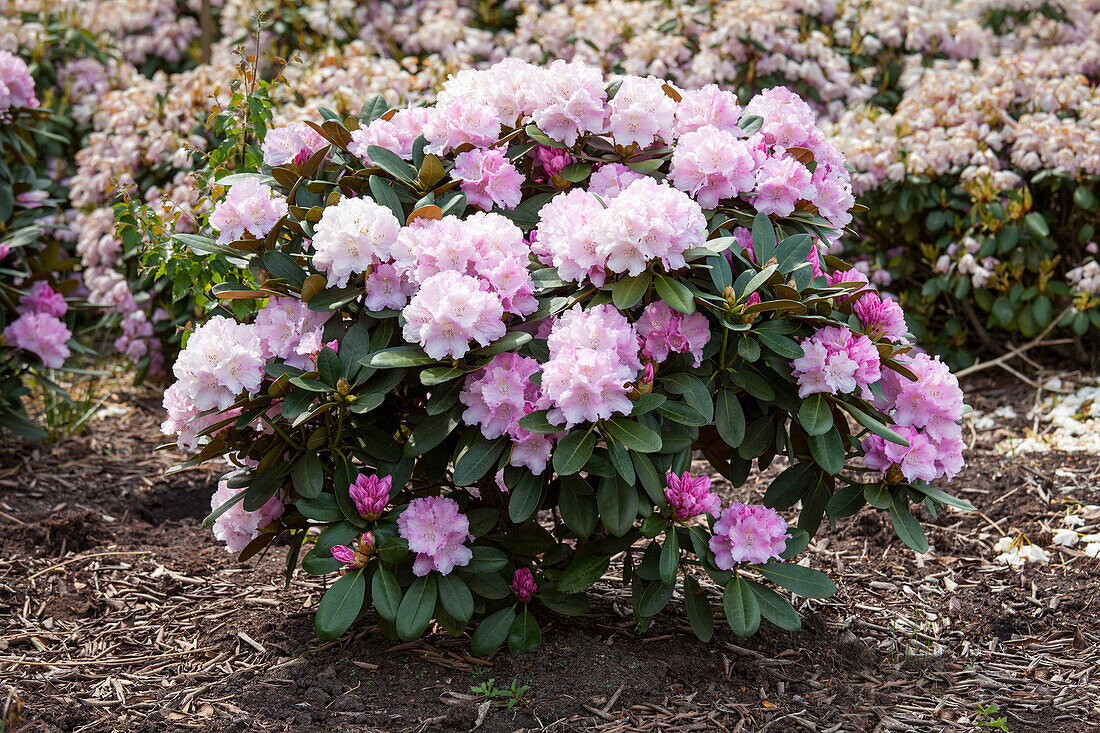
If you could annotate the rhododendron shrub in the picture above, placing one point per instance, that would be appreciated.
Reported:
(489, 346)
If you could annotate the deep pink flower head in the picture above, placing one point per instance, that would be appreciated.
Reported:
(42, 334)
(917, 462)
(744, 533)
(523, 585)
(344, 554)
(664, 330)
(370, 494)
(41, 298)
(882, 318)
(552, 160)
(848, 276)
(488, 178)
(435, 530)
(690, 496)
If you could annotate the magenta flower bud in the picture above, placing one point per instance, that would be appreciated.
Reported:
(644, 383)
(370, 494)
(523, 585)
(552, 160)
(690, 496)
(344, 554)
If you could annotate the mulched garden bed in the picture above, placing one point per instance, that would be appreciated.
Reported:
(118, 612)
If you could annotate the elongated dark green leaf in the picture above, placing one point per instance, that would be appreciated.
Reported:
(942, 497)
(670, 558)
(681, 413)
(785, 347)
(524, 634)
(789, 486)
(633, 435)
(526, 497)
(399, 356)
(700, 614)
(804, 581)
(321, 509)
(386, 593)
(828, 451)
(456, 598)
(620, 459)
(431, 431)
(796, 543)
(815, 415)
(485, 560)
(340, 605)
(742, 610)
(383, 193)
(628, 292)
(878, 496)
(492, 632)
(650, 479)
(573, 451)
(763, 238)
(774, 607)
(583, 573)
(846, 501)
(577, 504)
(756, 281)
(907, 526)
(793, 251)
(283, 266)
(675, 294)
(567, 604)
(618, 504)
(655, 596)
(416, 608)
(392, 163)
(476, 460)
(536, 422)
(510, 341)
(875, 426)
(729, 418)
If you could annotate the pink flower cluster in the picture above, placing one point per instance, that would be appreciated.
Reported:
(287, 329)
(358, 555)
(221, 360)
(641, 112)
(295, 143)
(436, 530)
(646, 221)
(593, 358)
(184, 420)
(396, 134)
(926, 412)
(747, 533)
(689, 496)
(497, 397)
(707, 106)
(713, 164)
(16, 83)
(352, 236)
(249, 207)
(836, 361)
(42, 334)
(237, 527)
(41, 298)
(488, 178)
(451, 310)
(371, 494)
(663, 330)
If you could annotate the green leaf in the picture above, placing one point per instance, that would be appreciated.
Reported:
(541, 137)
(774, 607)
(392, 163)
(386, 593)
(815, 415)
(633, 435)
(583, 573)
(906, 525)
(804, 581)
(763, 238)
(476, 460)
(618, 505)
(485, 560)
(675, 294)
(321, 509)
(383, 193)
(328, 366)
(492, 632)
(653, 598)
(576, 172)
(283, 266)
(828, 451)
(456, 597)
(729, 418)
(620, 459)
(796, 543)
(510, 341)
(788, 487)
(524, 634)
(340, 606)
(417, 606)
(577, 504)
(628, 292)
(793, 251)
(756, 281)
(670, 558)
(682, 414)
(742, 610)
(525, 497)
(1036, 224)
(536, 422)
(878, 496)
(571, 604)
(399, 356)
(875, 426)
(942, 497)
(846, 501)
(430, 432)
(700, 614)
(573, 451)
(308, 476)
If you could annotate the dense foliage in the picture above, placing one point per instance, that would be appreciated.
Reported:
(495, 330)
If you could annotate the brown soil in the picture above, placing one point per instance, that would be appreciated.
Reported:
(119, 613)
